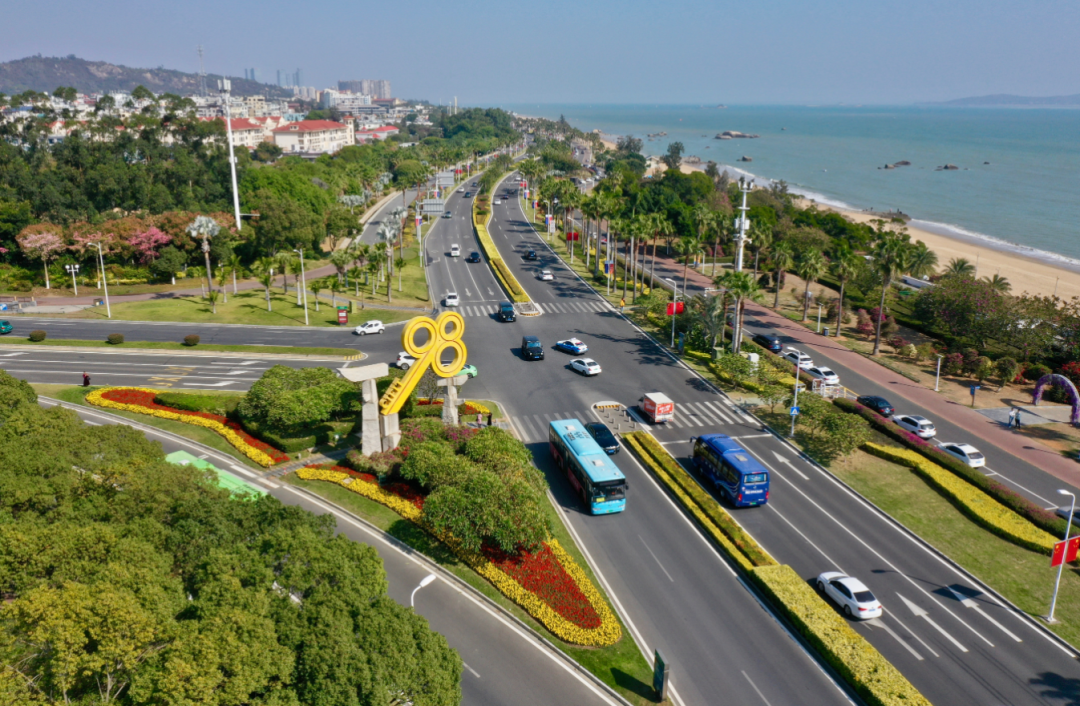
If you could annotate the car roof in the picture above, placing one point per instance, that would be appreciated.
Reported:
(875, 398)
(966, 448)
(853, 584)
(916, 418)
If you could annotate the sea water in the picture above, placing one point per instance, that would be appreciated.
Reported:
(1017, 185)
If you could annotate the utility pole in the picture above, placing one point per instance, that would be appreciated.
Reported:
(742, 224)
(225, 86)
(202, 75)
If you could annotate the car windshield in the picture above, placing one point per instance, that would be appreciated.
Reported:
(865, 597)
(532, 344)
(755, 478)
(609, 490)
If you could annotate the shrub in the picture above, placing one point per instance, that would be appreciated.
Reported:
(889, 326)
(223, 405)
(1071, 370)
(910, 351)
(1008, 370)
(896, 342)
(191, 340)
(953, 364)
(115, 339)
(37, 335)
(864, 324)
(971, 361)
(287, 400)
(434, 465)
(1036, 371)
(925, 351)
(485, 509)
(984, 368)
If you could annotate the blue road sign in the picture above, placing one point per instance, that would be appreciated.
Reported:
(794, 411)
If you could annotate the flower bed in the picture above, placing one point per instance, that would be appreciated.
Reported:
(141, 401)
(547, 583)
(468, 407)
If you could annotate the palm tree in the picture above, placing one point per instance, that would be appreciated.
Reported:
(686, 247)
(372, 270)
(336, 286)
(810, 267)
(266, 279)
(923, 261)
(660, 224)
(741, 286)
(316, 286)
(998, 284)
(760, 240)
(380, 254)
(283, 264)
(212, 297)
(960, 267)
(590, 211)
(356, 270)
(223, 277)
(295, 268)
(891, 253)
(235, 265)
(341, 259)
(704, 217)
(783, 257)
(844, 267)
(400, 265)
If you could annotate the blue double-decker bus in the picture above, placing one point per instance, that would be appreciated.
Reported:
(599, 482)
(731, 469)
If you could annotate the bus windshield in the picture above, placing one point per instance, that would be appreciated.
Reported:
(752, 478)
(609, 490)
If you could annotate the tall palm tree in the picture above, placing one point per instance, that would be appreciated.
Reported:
(400, 265)
(783, 257)
(810, 266)
(761, 238)
(960, 267)
(336, 286)
(590, 211)
(372, 270)
(659, 224)
(741, 286)
(998, 283)
(891, 253)
(686, 247)
(266, 279)
(316, 286)
(704, 217)
(923, 261)
(235, 265)
(295, 269)
(844, 267)
(283, 264)
(341, 259)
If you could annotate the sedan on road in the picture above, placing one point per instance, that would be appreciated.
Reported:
(965, 453)
(603, 436)
(824, 374)
(571, 345)
(369, 327)
(799, 358)
(531, 255)
(6, 327)
(404, 360)
(473, 257)
(769, 342)
(469, 370)
(455, 250)
(878, 404)
(585, 366)
(451, 299)
(448, 214)
(497, 202)
(920, 426)
(851, 594)
(546, 276)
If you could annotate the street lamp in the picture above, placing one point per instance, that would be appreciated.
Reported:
(426, 581)
(1068, 528)
(105, 282)
(303, 283)
(225, 86)
(742, 224)
(73, 270)
(795, 402)
(937, 376)
(674, 298)
(819, 316)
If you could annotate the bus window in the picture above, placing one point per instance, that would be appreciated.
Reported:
(754, 478)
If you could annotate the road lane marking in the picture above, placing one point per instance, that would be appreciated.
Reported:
(471, 670)
(207, 384)
(12, 355)
(653, 555)
(920, 612)
(967, 602)
(805, 538)
(752, 436)
(789, 464)
(761, 695)
(876, 622)
(913, 634)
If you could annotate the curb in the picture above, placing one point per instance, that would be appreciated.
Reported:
(193, 351)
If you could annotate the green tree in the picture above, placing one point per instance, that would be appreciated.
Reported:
(673, 157)
(1007, 370)
(168, 263)
(960, 267)
(810, 266)
(289, 399)
(783, 257)
(890, 253)
(844, 268)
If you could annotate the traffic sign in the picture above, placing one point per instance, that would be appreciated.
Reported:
(1065, 551)
(794, 411)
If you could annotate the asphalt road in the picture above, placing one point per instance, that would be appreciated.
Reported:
(504, 664)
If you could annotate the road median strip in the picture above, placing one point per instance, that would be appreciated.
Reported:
(858, 662)
(498, 265)
(152, 347)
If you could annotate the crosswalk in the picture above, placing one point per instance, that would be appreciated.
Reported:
(532, 428)
(583, 306)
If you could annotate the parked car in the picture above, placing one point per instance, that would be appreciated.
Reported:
(507, 312)
(850, 594)
(532, 348)
(448, 214)
(878, 404)
(473, 257)
(571, 345)
(921, 426)
(531, 255)
(546, 276)
(455, 250)
(603, 436)
(6, 327)
(451, 299)
(585, 366)
(469, 370)
(825, 374)
(768, 342)
(966, 453)
(404, 360)
(799, 358)
(369, 327)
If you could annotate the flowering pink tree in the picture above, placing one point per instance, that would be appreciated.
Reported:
(41, 246)
(146, 244)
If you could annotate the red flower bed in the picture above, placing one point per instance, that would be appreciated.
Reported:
(144, 398)
(541, 573)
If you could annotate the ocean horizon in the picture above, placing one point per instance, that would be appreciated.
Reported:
(1015, 188)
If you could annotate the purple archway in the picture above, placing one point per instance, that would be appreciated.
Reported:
(1070, 388)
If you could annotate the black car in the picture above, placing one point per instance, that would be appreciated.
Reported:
(507, 312)
(473, 257)
(531, 255)
(769, 342)
(532, 348)
(603, 436)
(878, 404)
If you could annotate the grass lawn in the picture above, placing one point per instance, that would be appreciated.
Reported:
(200, 348)
(621, 666)
(246, 307)
(1022, 576)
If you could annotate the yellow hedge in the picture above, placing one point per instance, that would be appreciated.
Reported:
(971, 501)
(502, 272)
(875, 679)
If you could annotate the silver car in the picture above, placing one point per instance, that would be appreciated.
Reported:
(920, 426)
(585, 366)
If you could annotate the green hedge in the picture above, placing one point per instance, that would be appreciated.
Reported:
(1041, 518)
(224, 405)
(321, 435)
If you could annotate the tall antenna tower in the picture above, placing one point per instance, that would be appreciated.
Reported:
(202, 75)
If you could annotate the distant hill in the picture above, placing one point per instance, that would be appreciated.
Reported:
(45, 74)
(1005, 99)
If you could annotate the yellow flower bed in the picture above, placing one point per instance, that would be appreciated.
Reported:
(876, 680)
(609, 631)
(502, 272)
(973, 502)
(259, 457)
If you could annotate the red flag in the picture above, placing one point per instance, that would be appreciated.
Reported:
(676, 308)
(1065, 550)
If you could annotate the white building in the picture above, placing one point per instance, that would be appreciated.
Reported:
(313, 136)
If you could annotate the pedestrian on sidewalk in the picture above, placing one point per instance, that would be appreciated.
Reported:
(1018, 413)
(1012, 417)
(489, 418)
(85, 379)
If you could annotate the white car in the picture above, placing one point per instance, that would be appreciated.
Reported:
(585, 366)
(851, 594)
(546, 276)
(404, 360)
(966, 453)
(798, 357)
(461, 190)
(369, 327)
(455, 250)
(451, 299)
(920, 426)
(497, 202)
(825, 374)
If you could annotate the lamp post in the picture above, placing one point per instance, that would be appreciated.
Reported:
(742, 224)
(426, 581)
(674, 299)
(819, 317)
(225, 86)
(105, 282)
(1068, 528)
(73, 270)
(303, 283)
(937, 376)
(795, 403)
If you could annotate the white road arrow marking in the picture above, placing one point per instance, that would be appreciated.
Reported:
(876, 622)
(215, 384)
(246, 362)
(11, 355)
(467, 292)
(789, 464)
(236, 372)
(967, 602)
(490, 293)
(921, 613)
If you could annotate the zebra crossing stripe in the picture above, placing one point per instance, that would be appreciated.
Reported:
(527, 427)
(719, 412)
(713, 414)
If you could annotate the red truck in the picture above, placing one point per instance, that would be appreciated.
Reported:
(658, 407)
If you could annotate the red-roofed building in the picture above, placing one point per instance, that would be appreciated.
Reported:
(246, 133)
(313, 136)
(376, 133)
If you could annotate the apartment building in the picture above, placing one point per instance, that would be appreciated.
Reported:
(313, 136)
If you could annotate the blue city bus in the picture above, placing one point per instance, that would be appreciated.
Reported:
(731, 469)
(599, 482)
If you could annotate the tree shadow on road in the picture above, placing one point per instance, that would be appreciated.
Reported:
(1065, 690)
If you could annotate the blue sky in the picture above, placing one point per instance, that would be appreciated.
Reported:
(665, 51)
